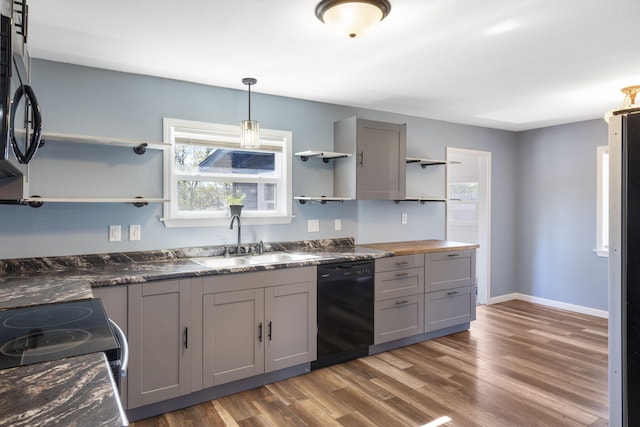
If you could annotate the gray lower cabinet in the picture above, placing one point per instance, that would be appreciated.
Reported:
(399, 294)
(449, 289)
(376, 168)
(258, 322)
(160, 319)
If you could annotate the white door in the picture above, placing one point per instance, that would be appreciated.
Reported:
(469, 207)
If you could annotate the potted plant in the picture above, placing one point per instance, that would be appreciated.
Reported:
(235, 202)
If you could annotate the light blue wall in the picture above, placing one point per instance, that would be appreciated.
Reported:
(98, 102)
(557, 214)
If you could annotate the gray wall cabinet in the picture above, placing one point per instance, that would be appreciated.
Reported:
(376, 168)
(257, 322)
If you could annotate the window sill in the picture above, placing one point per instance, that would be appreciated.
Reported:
(224, 221)
(604, 253)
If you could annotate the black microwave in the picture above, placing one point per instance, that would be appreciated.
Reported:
(20, 115)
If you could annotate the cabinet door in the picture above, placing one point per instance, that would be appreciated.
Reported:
(233, 336)
(380, 171)
(447, 308)
(448, 270)
(114, 301)
(159, 360)
(376, 168)
(398, 318)
(290, 321)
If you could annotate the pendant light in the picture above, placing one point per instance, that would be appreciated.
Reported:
(352, 18)
(249, 129)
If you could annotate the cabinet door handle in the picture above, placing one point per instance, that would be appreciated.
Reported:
(186, 337)
(402, 263)
(362, 158)
(269, 333)
(401, 274)
(453, 255)
(453, 293)
(402, 302)
(260, 332)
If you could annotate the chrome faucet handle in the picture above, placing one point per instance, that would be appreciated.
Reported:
(260, 247)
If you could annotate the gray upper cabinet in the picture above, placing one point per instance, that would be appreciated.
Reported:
(376, 168)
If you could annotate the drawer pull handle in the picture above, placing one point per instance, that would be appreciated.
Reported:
(402, 263)
(453, 255)
(453, 293)
(270, 327)
(186, 338)
(260, 332)
(402, 302)
(401, 274)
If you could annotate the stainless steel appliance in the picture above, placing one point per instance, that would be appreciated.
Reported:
(345, 312)
(20, 115)
(624, 269)
(51, 332)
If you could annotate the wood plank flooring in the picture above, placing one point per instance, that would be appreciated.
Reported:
(520, 364)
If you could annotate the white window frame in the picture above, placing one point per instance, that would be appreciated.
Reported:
(602, 236)
(229, 135)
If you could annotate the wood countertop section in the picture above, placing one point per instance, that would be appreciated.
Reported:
(420, 246)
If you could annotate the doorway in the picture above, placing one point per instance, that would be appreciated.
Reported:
(469, 208)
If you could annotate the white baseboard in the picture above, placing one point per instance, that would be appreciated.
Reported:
(551, 303)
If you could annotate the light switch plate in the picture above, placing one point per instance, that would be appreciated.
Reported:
(115, 233)
(337, 224)
(134, 232)
(313, 225)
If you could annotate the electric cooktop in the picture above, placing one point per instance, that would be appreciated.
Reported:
(51, 332)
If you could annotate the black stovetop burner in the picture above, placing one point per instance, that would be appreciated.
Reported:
(50, 332)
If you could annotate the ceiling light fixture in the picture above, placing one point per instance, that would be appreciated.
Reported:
(352, 18)
(629, 104)
(249, 129)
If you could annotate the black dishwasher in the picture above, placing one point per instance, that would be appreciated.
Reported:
(345, 312)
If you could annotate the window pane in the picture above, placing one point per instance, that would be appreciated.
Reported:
(463, 213)
(467, 191)
(203, 196)
(203, 159)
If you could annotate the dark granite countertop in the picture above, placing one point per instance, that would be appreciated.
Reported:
(77, 391)
(74, 391)
(33, 281)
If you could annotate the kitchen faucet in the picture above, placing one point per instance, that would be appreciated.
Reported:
(233, 218)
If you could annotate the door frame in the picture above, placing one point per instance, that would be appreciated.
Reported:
(484, 235)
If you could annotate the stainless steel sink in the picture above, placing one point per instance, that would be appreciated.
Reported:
(267, 258)
(220, 262)
(278, 257)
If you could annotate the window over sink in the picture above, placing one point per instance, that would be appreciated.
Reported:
(207, 171)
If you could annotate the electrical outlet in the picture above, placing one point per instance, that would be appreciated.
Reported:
(313, 225)
(134, 232)
(403, 219)
(115, 233)
(337, 224)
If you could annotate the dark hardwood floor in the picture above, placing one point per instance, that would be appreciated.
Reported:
(520, 364)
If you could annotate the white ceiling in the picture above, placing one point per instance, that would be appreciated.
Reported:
(506, 64)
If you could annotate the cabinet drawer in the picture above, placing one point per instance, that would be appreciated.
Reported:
(449, 270)
(399, 283)
(398, 318)
(399, 262)
(447, 308)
